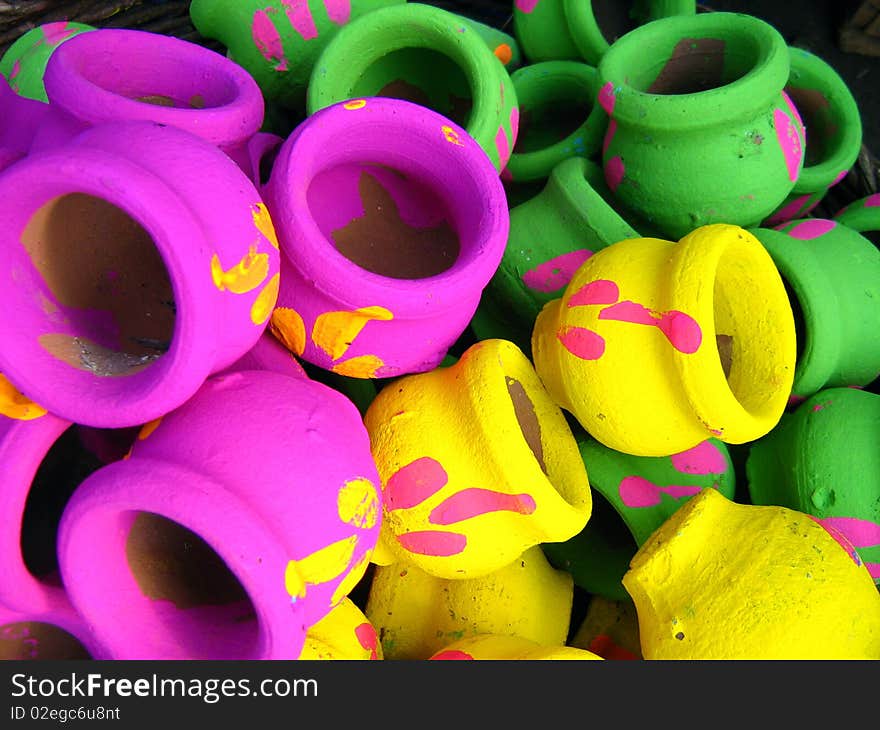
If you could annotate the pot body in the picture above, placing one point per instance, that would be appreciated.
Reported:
(861, 215)
(344, 633)
(494, 647)
(20, 119)
(657, 346)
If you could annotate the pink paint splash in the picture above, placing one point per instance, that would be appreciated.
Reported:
(858, 533)
(789, 141)
(795, 113)
(506, 175)
(414, 483)
(556, 272)
(15, 70)
(366, 636)
(813, 228)
(474, 502)
(339, 11)
(514, 123)
(453, 654)
(796, 400)
(832, 525)
(704, 458)
(300, 16)
(57, 32)
(502, 146)
(434, 543)
(267, 40)
(600, 291)
(607, 98)
(872, 201)
(638, 492)
(582, 343)
(680, 329)
(609, 134)
(526, 6)
(614, 172)
(842, 174)
(788, 212)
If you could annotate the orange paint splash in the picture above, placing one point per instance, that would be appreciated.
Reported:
(451, 135)
(335, 331)
(358, 503)
(363, 366)
(289, 329)
(503, 53)
(244, 276)
(261, 309)
(15, 405)
(148, 428)
(355, 104)
(321, 566)
(263, 222)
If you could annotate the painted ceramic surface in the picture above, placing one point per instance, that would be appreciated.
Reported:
(687, 94)
(19, 119)
(391, 222)
(428, 56)
(822, 460)
(509, 648)
(269, 481)
(721, 580)
(833, 128)
(344, 633)
(278, 41)
(503, 45)
(505, 476)
(27, 637)
(833, 278)
(652, 362)
(417, 615)
(610, 629)
(186, 288)
(861, 215)
(24, 62)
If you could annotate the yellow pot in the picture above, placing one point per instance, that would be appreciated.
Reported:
(656, 346)
(720, 580)
(477, 464)
(344, 633)
(417, 615)
(609, 629)
(495, 647)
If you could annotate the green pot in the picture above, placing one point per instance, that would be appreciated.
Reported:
(862, 215)
(582, 29)
(832, 274)
(642, 493)
(428, 56)
(823, 460)
(503, 45)
(833, 132)
(558, 117)
(700, 129)
(278, 41)
(24, 62)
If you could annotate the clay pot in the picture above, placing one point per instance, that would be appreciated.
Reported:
(610, 629)
(656, 346)
(506, 475)
(112, 75)
(495, 647)
(861, 215)
(639, 494)
(689, 94)
(36, 480)
(24, 62)
(822, 460)
(571, 29)
(116, 335)
(503, 45)
(721, 580)
(558, 117)
(428, 56)
(278, 41)
(239, 521)
(833, 125)
(417, 614)
(391, 221)
(19, 119)
(832, 274)
(344, 633)
(551, 235)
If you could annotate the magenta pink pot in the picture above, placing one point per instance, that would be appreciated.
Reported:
(391, 221)
(238, 521)
(25, 636)
(139, 259)
(116, 74)
(19, 119)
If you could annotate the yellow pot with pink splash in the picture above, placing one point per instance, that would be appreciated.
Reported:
(656, 346)
(509, 648)
(344, 633)
(477, 465)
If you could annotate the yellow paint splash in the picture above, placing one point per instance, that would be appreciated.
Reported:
(265, 301)
(355, 104)
(335, 331)
(15, 405)
(321, 566)
(289, 329)
(148, 428)
(363, 366)
(358, 503)
(347, 584)
(263, 222)
(451, 135)
(245, 276)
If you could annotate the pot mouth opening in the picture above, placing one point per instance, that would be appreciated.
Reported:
(697, 65)
(185, 596)
(104, 293)
(527, 419)
(823, 137)
(38, 640)
(613, 18)
(551, 116)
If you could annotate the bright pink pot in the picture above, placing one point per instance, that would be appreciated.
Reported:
(19, 119)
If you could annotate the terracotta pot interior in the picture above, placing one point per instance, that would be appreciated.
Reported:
(205, 606)
(64, 467)
(695, 65)
(527, 419)
(25, 640)
(105, 289)
(815, 111)
(423, 76)
(384, 221)
(613, 17)
(552, 119)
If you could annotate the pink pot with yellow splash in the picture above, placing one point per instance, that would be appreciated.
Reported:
(391, 221)
(239, 520)
(128, 280)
